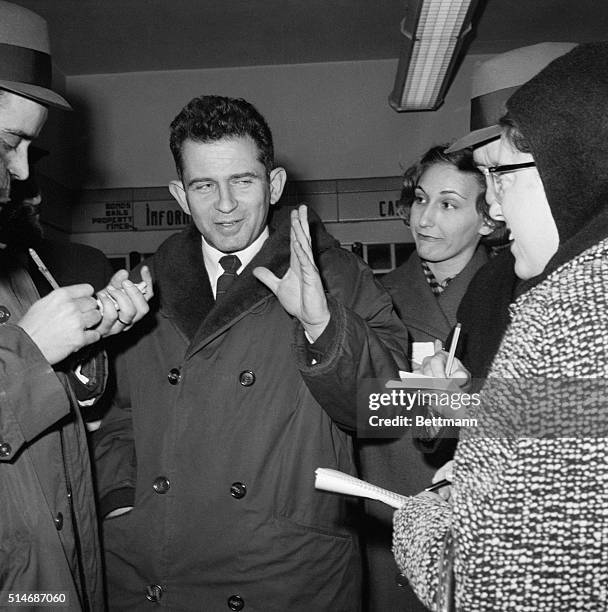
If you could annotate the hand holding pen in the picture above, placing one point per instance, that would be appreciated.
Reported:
(445, 364)
(442, 481)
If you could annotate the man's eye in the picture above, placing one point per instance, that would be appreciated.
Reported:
(243, 182)
(8, 146)
(203, 187)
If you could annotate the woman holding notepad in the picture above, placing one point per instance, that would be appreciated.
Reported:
(443, 203)
(527, 517)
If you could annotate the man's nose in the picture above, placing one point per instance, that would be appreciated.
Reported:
(17, 164)
(226, 201)
(495, 208)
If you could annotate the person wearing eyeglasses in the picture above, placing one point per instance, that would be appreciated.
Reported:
(526, 526)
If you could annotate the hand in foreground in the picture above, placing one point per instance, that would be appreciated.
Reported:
(435, 366)
(445, 472)
(300, 291)
(123, 302)
(60, 323)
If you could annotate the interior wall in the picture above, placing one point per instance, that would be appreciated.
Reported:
(330, 121)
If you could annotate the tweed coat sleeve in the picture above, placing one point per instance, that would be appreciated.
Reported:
(32, 397)
(419, 529)
(368, 339)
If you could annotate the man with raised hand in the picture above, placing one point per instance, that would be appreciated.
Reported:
(239, 387)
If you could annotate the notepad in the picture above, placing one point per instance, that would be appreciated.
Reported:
(413, 380)
(339, 482)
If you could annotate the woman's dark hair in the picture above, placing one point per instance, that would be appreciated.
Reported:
(512, 132)
(463, 161)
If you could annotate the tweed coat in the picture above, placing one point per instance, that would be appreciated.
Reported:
(219, 460)
(530, 481)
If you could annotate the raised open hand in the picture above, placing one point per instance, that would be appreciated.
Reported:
(300, 291)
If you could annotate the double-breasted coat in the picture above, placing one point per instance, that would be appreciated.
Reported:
(219, 425)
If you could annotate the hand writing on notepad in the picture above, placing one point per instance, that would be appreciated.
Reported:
(436, 366)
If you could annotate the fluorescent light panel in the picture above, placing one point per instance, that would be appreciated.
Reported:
(435, 41)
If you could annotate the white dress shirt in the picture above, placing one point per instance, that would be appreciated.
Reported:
(212, 256)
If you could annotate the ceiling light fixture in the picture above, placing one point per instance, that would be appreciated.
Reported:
(434, 32)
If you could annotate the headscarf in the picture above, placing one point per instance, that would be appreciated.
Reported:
(563, 114)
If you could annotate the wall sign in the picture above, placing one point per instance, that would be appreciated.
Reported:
(159, 215)
(103, 217)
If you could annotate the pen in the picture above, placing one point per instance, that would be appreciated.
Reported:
(452, 353)
(43, 269)
(438, 485)
(142, 286)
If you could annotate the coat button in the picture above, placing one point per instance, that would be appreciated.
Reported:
(236, 602)
(154, 592)
(174, 376)
(401, 580)
(5, 449)
(5, 314)
(58, 521)
(238, 490)
(161, 485)
(247, 378)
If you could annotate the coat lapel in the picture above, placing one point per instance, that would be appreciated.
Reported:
(246, 291)
(181, 282)
(450, 299)
(183, 289)
(414, 301)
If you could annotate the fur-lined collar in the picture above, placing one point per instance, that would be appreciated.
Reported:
(182, 285)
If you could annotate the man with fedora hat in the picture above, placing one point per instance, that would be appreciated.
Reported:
(48, 529)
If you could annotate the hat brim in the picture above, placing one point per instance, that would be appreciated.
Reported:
(39, 94)
(475, 138)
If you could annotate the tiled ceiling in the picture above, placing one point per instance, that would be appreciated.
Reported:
(106, 36)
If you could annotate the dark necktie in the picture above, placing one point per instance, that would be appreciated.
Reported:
(230, 263)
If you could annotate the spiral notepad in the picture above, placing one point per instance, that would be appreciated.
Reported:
(339, 482)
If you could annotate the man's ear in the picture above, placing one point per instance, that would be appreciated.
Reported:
(177, 191)
(278, 178)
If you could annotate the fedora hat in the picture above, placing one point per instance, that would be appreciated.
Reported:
(25, 56)
(495, 80)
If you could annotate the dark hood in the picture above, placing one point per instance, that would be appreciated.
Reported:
(562, 112)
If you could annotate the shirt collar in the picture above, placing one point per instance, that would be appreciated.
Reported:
(212, 256)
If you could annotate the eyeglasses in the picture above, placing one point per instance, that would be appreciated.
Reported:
(495, 172)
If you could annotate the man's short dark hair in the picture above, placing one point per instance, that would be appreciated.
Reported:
(212, 118)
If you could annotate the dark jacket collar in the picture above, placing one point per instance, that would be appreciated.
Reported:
(416, 304)
(182, 285)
